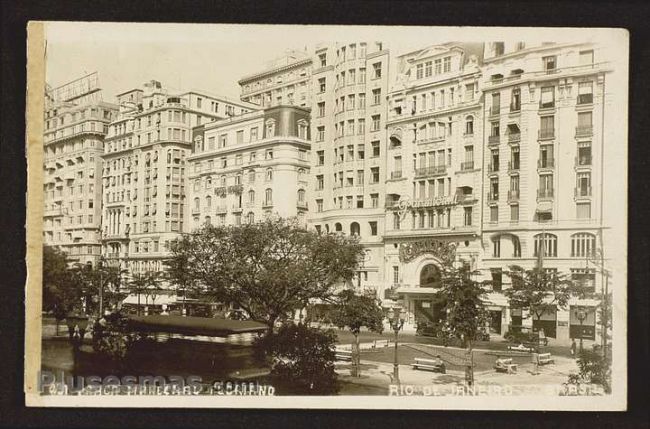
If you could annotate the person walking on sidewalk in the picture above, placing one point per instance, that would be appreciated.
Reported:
(573, 348)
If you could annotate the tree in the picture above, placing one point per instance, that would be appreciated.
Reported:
(61, 292)
(354, 311)
(302, 359)
(594, 368)
(270, 268)
(104, 277)
(461, 299)
(178, 271)
(146, 284)
(539, 291)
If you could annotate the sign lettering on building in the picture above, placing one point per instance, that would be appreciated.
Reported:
(405, 203)
(444, 251)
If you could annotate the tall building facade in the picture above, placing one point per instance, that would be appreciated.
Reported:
(144, 171)
(433, 181)
(545, 114)
(248, 167)
(285, 80)
(76, 123)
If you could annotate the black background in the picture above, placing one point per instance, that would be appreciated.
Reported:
(634, 16)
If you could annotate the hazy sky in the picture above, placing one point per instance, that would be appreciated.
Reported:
(213, 57)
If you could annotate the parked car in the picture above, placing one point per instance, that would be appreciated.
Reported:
(525, 335)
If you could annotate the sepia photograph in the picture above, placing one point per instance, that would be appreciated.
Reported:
(306, 216)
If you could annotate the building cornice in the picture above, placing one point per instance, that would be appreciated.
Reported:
(256, 76)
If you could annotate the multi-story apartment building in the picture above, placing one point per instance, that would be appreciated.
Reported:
(349, 111)
(545, 109)
(433, 180)
(248, 167)
(286, 80)
(76, 122)
(144, 171)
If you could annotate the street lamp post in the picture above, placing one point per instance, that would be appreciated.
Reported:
(396, 318)
(581, 315)
(101, 287)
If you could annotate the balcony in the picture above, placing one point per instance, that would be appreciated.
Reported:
(493, 196)
(495, 110)
(494, 139)
(546, 134)
(546, 163)
(584, 130)
(221, 209)
(467, 165)
(547, 105)
(266, 204)
(515, 107)
(514, 137)
(513, 195)
(394, 175)
(583, 161)
(493, 167)
(513, 166)
(301, 204)
(585, 99)
(583, 191)
(237, 208)
(544, 194)
(196, 210)
(435, 170)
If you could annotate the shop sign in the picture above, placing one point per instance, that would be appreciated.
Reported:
(442, 250)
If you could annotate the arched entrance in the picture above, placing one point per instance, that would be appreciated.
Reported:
(427, 309)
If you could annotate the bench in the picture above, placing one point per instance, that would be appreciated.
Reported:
(522, 348)
(505, 365)
(343, 354)
(381, 343)
(434, 365)
(545, 358)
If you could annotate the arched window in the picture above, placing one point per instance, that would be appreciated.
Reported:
(516, 247)
(251, 176)
(223, 180)
(338, 227)
(301, 195)
(208, 201)
(469, 125)
(583, 244)
(268, 195)
(197, 203)
(355, 229)
(269, 174)
(251, 218)
(270, 128)
(327, 229)
(550, 245)
(208, 182)
(238, 179)
(251, 196)
(208, 220)
(430, 276)
(301, 174)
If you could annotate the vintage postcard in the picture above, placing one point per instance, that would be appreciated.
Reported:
(278, 216)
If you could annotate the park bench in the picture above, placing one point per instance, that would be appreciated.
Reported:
(545, 358)
(381, 343)
(342, 354)
(522, 348)
(434, 365)
(505, 365)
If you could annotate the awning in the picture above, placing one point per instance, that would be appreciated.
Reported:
(187, 325)
(544, 207)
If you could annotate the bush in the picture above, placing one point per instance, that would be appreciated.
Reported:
(593, 368)
(302, 360)
(113, 338)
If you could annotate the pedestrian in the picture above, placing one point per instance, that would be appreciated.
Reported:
(573, 348)
(535, 358)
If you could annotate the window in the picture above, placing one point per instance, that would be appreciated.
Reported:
(319, 205)
(586, 58)
(515, 100)
(494, 214)
(497, 279)
(583, 245)
(585, 93)
(376, 96)
(253, 134)
(223, 140)
(240, 136)
(323, 59)
(269, 174)
(583, 184)
(547, 97)
(446, 64)
(376, 123)
(376, 71)
(374, 175)
(375, 149)
(583, 210)
(438, 66)
(514, 213)
(251, 196)
(251, 218)
(419, 71)
(270, 128)
(545, 245)
(373, 227)
(494, 129)
(322, 85)
(549, 63)
(320, 157)
(268, 154)
(547, 127)
(467, 216)
(361, 126)
(320, 182)
(301, 196)
(268, 197)
(321, 109)
(395, 274)
(499, 48)
(320, 134)
(469, 125)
